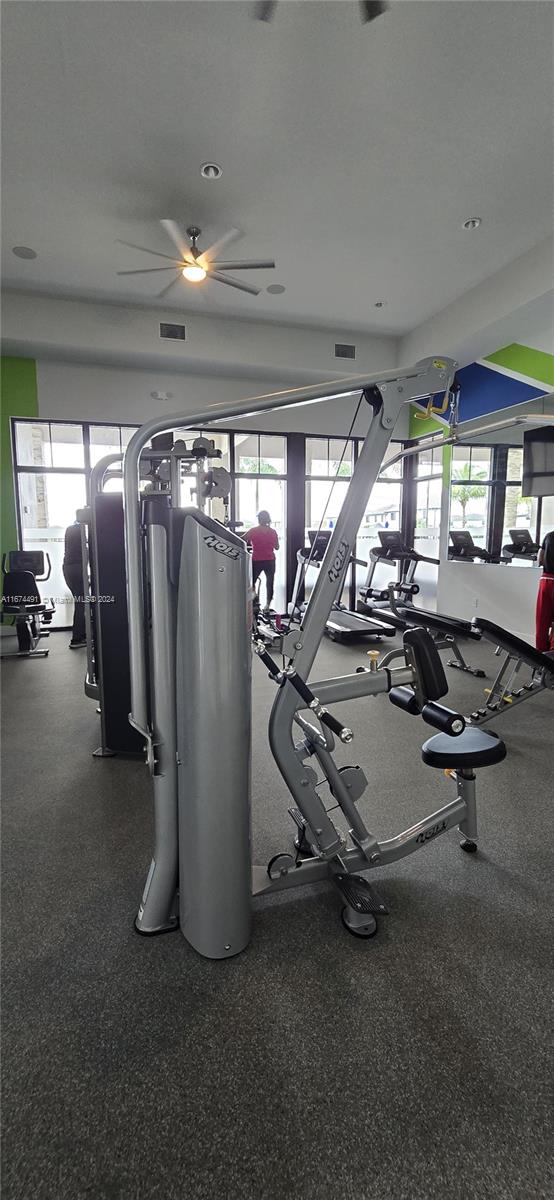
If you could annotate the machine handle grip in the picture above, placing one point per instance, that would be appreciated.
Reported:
(301, 687)
(360, 562)
(49, 572)
(3, 564)
(268, 661)
(306, 694)
(335, 726)
(443, 718)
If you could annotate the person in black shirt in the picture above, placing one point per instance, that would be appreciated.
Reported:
(73, 575)
(544, 617)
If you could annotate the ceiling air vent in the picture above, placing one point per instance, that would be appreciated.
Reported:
(176, 332)
(343, 350)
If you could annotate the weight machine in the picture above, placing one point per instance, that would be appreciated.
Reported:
(167, 468)
(191, 702)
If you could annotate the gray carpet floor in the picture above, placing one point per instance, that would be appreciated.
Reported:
(313, 1065)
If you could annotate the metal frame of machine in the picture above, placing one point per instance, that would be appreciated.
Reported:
(196, 718)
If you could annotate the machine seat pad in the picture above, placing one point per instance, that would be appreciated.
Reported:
(473, 748)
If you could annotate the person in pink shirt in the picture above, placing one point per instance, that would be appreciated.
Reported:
(264, 542)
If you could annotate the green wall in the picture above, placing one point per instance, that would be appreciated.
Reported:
(18, 398)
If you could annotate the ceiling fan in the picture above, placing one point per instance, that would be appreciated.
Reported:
(369, 9)
(195, 265)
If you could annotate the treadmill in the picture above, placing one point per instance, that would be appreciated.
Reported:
(392, 550)
(342, 624)
(521, 546)
(463, 548)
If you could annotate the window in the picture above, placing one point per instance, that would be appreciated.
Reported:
(520, 512)
(547, 516)
(67, 445)
(329, 457)
(251, 496)
(470, 491)
(260, 454)
(49, 444)
(429, 462)
(48, 502)
(260, 483)
(382, 512)
(52, 467)
(108, 439)
(395, 471)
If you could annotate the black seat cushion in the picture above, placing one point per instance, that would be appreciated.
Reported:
(473, 748)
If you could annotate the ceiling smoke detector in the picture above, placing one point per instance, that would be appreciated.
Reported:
(275, 289)
(472, 223)
(211, 170)
(379, 304)
(24, 252)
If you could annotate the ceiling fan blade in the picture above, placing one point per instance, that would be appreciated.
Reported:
(167, 289)
(247, 264)
(213, 250)
(370, 9)
(158, 253)
(265, 9)
(146, 271)
(178, 238)
(241, 287)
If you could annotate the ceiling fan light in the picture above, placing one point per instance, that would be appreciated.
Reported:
(194, 273)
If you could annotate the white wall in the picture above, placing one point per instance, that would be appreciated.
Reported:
(88, 392)
(500, 593)
(510, 306)
(44, 327)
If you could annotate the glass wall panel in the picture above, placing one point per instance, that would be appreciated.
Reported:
(104, 439)
(429, 462)
(520, 512)
(253, 495)
(471, 491)
(382, 512)
(469, 509)
(32, 444)
(260, 454)
(329, 456)
(48, 503)
(67, 445)
(547, 517)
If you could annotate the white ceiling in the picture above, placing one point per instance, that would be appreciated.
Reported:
(350, 153)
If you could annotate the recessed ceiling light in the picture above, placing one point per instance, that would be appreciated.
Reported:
(211, 170)
(379, 304)
(472, 223)
(275, 289)
(24, 252)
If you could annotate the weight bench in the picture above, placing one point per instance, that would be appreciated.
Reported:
(22, 600)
